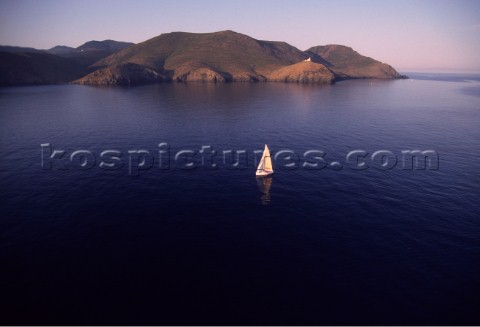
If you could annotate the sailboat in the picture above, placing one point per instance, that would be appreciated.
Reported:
(265, 166)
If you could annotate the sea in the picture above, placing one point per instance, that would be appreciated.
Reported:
(140, 205)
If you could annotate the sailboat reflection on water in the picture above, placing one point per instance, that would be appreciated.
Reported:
(264, 184)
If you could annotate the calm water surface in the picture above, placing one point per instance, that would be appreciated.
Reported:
(218, 246)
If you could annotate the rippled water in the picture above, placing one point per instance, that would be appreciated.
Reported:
(217, 246)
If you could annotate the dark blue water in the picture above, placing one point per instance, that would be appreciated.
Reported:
(332, 245)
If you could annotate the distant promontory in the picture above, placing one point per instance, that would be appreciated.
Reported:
(220, 57)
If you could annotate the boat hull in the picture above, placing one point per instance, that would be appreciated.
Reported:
(264, 172)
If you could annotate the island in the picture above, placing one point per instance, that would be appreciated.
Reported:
(218, 57)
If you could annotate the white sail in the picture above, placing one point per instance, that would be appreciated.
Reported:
(265, 165)
(267, 159)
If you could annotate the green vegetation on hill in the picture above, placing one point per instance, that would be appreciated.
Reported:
(227, 52)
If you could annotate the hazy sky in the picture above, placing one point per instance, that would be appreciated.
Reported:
(409, 35)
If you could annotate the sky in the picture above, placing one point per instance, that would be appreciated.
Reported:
(426, 35)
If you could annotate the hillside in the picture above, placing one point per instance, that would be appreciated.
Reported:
(304, 72)
(220, 57)
(89, 52)
(109, 45)
(229, 56)
(14, 49)
(28, 68)
(60, 64)
(346, 63)
(60, 50)
(224, 56)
